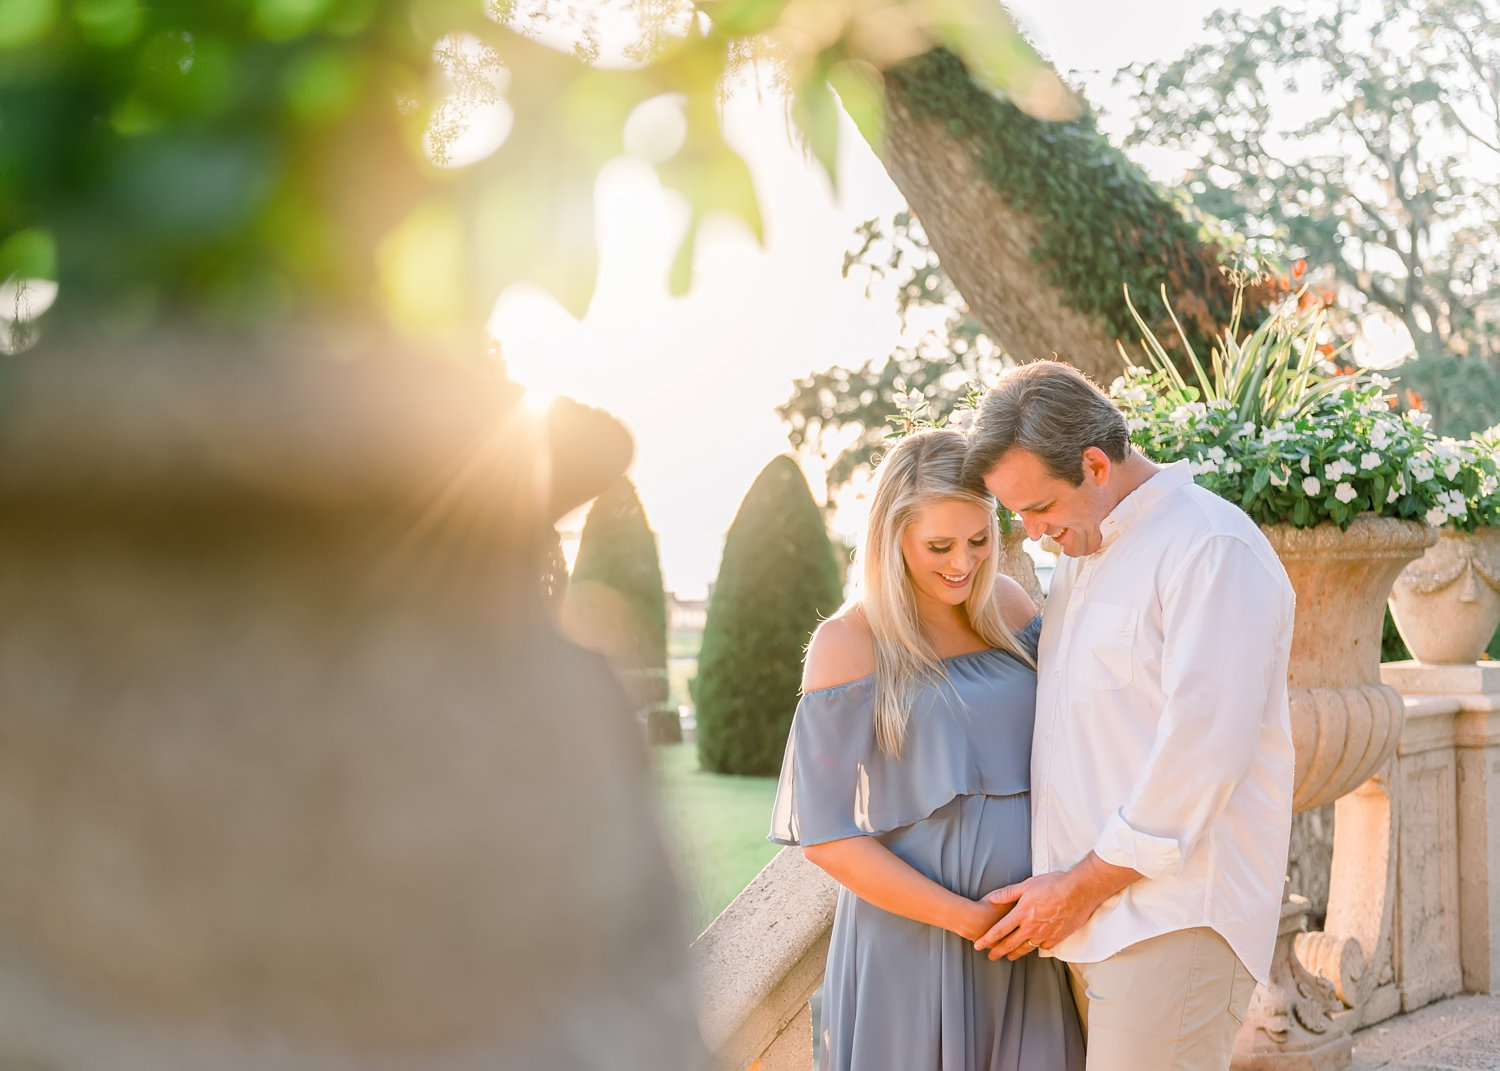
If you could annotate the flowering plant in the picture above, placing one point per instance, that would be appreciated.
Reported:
(1274, 426)
(1468, 472)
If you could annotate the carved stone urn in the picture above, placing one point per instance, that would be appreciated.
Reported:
(1345, 726)
(1447, 604)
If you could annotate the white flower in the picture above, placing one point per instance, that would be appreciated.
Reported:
(1346, 447)
(1183, 413)
(1217, 454)
(1436, 516)
(1337, 469)
(1420, 469)
(1199, 468)
(1323, 433)
(1379, 380)
(1311, 486)
(962, 419)
(1369, 460)
(1488, 485)
(1279, 481)
(1232, 466)
(1135, 423)
(1344, 492)
(909, 402)
(1380, 435)
(1391, 498)
(1419, 418)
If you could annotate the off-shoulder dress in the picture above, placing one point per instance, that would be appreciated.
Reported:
(900, 995)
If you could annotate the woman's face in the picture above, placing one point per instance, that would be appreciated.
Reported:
(943, 546)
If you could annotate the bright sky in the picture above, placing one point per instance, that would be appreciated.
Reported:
(697, 378)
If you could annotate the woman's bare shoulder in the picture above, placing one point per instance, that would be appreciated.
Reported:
(842, 650)
(1016, 608)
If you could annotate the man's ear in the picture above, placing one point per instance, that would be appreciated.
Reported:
(1096, 466)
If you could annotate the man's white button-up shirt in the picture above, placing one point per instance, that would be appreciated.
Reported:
(1163, 741)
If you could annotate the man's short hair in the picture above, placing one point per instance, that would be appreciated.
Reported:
(1051, 410)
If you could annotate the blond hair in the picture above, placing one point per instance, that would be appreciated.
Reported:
(925, 467)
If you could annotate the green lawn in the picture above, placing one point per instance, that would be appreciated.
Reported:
(679, 672)
(716, 823)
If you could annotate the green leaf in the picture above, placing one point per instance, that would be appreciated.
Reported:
(861, 90)
(816, 112)
(29, 254)
(25, 22)
(681, 280)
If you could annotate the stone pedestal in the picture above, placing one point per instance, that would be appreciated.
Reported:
(1290, 1024)
(1346, 725)
(1468, 860)
(1426, 926)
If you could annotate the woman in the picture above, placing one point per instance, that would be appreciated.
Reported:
(906, 778)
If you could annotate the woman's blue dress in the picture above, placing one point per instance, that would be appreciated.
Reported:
(900, 995)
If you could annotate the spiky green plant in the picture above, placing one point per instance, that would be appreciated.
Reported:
(1277, 372)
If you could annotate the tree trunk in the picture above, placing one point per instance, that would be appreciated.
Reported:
(1040, 224)
(985, 247)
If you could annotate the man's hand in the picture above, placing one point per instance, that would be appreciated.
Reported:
(1048, 908)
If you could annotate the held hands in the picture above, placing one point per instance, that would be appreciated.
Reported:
(977, 917)
(1047, 908)
(1040, 912)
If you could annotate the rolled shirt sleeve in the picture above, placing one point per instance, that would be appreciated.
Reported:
(1221, 616)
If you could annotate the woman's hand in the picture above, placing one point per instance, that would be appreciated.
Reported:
(978, 917)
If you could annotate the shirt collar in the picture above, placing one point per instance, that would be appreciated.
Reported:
(1143, 498)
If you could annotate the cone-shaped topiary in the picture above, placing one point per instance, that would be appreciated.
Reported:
(777, 579)
(615, 601)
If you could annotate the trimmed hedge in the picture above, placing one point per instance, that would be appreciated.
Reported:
(616, 595)
(778, 578)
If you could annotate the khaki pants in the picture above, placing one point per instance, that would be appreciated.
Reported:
(1170, 1003)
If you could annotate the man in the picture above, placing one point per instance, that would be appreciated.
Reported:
(1161, 766)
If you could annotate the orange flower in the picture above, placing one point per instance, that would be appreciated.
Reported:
(1299, 269)
(1413, 400)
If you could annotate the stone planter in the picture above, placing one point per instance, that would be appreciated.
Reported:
(295, 773)
(1345, 728)
(1447, 604)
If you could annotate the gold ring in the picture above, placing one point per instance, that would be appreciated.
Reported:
(1033, 944)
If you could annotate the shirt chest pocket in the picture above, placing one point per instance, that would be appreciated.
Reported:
(1106, 645)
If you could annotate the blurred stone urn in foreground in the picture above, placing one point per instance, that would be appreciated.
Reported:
(1447, 604)
(1345, 727)
(296, 772)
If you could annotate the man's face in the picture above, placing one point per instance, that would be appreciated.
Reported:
(1052, 506)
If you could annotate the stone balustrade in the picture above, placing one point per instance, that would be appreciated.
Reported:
(1447, 913)
(759, 963)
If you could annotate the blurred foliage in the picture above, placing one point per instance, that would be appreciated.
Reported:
(247, 162)
(1384, 172)
(778, 578)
